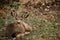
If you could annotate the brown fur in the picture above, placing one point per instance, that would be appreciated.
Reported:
(18, 28)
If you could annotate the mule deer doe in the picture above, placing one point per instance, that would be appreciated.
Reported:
(17, 28)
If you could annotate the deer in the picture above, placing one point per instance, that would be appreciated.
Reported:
(17, 28)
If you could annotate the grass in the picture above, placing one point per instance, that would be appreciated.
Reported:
(42, 30)
(44, 26)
